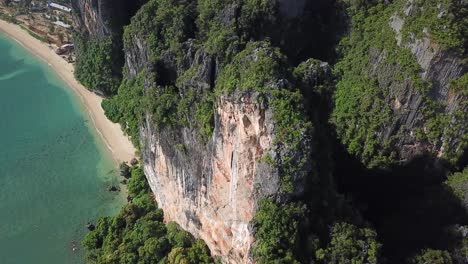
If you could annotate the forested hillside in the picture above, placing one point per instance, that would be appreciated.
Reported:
(286, 131)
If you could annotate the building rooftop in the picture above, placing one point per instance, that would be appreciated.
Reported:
(60, 7)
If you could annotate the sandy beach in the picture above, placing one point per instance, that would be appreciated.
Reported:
(112, 134)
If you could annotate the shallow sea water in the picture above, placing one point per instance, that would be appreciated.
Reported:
(54, 169)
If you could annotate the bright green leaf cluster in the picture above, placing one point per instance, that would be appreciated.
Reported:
(350, 245)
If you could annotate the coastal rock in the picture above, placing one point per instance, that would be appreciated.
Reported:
(113, 189)
(90, 227)
(102, 18)
(424, 114)
(408, 105)
(212, 189)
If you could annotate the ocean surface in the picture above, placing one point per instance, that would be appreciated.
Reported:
(54, 169)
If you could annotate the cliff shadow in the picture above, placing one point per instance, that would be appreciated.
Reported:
(408, 205)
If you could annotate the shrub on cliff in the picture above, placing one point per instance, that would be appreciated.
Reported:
(350, 245)
(431, 256)
(277, 234)
(376, 68)
(458, 184)
(94, 65)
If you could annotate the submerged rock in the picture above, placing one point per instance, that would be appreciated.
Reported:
(90, 226)
(113, 189)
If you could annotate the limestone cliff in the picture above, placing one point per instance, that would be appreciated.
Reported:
(404, 104)
(212, 189)
(213, 192)
(103, 18)
(223, 119)
(211, 185)
(98, 41)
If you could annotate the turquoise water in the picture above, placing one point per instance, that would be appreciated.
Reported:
(54, 170)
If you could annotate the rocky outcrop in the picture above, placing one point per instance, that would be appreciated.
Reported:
(211, 183)
(396, 101)
(103, 18)
(100, 25)
(439, 68)
(212, 189)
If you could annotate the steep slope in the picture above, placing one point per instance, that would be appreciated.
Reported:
(219, 118)
(211, 185)
(103, 18)
(99, 41)
(397, 97)
(231, 115)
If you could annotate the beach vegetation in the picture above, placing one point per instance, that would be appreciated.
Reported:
(34, 34)
(94, 65)
(138, 234)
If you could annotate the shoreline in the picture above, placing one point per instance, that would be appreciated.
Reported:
(118, 144)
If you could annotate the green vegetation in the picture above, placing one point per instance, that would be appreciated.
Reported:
(253, 70)
(8, 18)
(362, 104)
(196, 52)
(431, 256)
(218, 39)
(350, 245)
(458, 183)
(360, 107)
(94, 65)
(457, 121)
(36, 36)
(138, 235)
(165, 25)
(277, 232)
(460, 85)
(126, 107)
(444, 21)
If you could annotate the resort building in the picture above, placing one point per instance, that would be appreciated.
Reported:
(60, 7)
(61, 24)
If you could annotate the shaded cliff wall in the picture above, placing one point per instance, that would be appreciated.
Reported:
(98, 41)
(439, 68)
(403, 104)
(103, 18)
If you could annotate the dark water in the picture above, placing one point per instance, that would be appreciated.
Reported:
(54, 170)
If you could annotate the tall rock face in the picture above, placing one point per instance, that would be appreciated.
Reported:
(209, 176)
(212, 189)
(407, 101)
(98, 42)
(219, 115)
(103, 18)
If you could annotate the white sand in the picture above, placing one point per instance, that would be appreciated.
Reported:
(119, 144)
